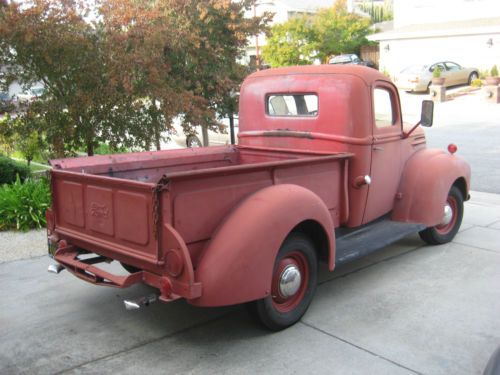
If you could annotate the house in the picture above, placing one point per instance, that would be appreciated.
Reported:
(425, 31)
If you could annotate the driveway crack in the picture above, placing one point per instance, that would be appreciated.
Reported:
(142, 344)
(359, 347)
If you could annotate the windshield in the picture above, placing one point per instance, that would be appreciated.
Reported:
(342, 59)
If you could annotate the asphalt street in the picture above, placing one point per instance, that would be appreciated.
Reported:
(409, 309)
(470, 122)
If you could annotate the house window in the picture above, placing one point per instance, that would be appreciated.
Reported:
(295, 105)
(382, 104)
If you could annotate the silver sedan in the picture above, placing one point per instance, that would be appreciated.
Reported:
(418, 78)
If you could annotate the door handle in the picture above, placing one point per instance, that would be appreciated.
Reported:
(378, 148)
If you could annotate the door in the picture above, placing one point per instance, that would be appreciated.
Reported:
(386, 165)
(456, 74)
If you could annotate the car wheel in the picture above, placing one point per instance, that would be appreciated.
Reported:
(130, 268)
(473, 76)
(293, 284)
(193, 141)
(452, 219)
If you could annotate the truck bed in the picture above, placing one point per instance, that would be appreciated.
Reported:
(119, 205)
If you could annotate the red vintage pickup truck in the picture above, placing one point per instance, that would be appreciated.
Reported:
(325, 171)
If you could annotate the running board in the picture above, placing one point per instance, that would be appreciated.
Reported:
(370, 238)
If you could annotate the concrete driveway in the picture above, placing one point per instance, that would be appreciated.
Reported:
(409, 309)
(469, 121)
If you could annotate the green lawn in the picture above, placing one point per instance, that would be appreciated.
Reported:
(34, 166)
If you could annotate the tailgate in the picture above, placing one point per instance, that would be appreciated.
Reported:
(110, 215)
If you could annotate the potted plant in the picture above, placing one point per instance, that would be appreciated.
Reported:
(436, 76)
(493, 79)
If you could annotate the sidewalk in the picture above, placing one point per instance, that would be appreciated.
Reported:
(408, 309)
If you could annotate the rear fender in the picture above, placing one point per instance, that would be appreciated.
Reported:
(427, 178)
(237, 264)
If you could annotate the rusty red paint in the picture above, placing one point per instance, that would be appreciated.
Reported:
(206, 224)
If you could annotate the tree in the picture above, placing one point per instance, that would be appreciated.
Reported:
(303, 39)
(339, 31)
(182, 55)
(51, 42)
(290, 43)
(124, 73)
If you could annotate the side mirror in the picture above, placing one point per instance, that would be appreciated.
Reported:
(427, 113)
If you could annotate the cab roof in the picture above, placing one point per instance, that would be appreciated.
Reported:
(368, 75)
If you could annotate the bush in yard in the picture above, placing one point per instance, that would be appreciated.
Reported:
(23, 204)
(9, 169)
(494, 71)
(476, 83)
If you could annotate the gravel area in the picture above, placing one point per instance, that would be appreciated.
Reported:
(22, 245)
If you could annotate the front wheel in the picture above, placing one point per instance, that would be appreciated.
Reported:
(193, 141)
(453, 212)
(293, 284)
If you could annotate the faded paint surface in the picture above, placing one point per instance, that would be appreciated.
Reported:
(206, 224)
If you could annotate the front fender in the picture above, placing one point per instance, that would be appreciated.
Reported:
(237, 264)
(425, 183)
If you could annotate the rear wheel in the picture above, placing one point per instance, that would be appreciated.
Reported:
(293, 284)
(453, 212)
(473, 76)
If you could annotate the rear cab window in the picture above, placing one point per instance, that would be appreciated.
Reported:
(292, 105)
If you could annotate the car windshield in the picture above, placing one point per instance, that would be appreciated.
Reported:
(37, 91)
(342, 59)
(414, 69)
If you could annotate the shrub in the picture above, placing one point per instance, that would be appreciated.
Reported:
(9, 169)
(23, 204)
(494, 71)
(476, 83)
(484, 73)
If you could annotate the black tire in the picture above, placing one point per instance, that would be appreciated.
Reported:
(277, 312)
(444, 233)
(473, 76)
(193, 141)
(129, 268)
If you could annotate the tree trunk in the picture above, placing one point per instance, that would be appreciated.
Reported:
(90, 148)
(58, 147)
(231, 128)
(156, 125)
(157, 136)
(204, 132)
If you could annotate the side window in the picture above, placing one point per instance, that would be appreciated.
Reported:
(382, 104)
(440, 65)
(452, 66)
(295, 105)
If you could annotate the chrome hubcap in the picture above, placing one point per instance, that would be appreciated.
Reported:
(290, 281)
(447, 215)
